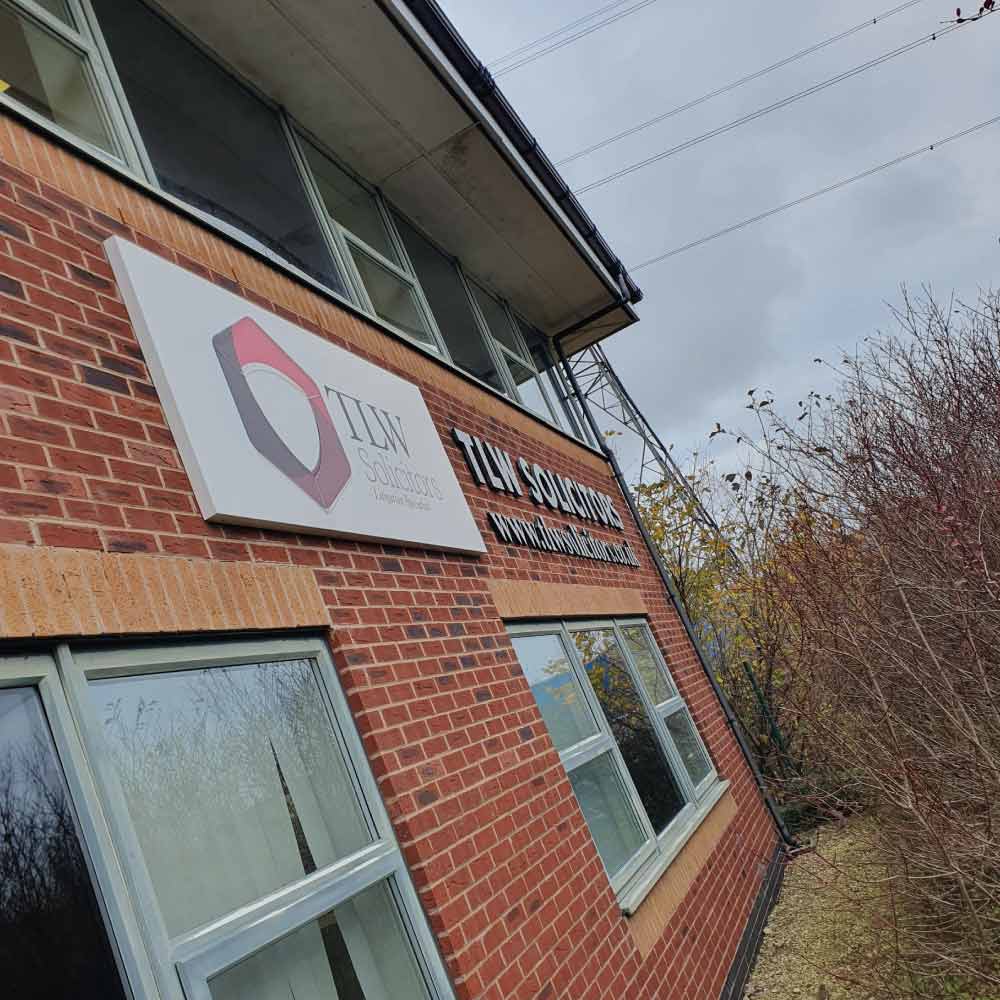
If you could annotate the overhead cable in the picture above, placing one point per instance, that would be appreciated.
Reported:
(768, 109)
(509, 68)
(815, 194)
(781, 63)
(495, 63)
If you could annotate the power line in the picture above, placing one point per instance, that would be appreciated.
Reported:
(494, 63)
(801, 54)
(572, 38)
(815, 194)
(768, 109)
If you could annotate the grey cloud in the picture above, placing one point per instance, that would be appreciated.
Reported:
(756, 307)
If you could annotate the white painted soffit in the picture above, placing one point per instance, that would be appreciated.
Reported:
(346, 72)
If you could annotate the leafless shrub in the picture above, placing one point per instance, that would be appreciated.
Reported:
(886, 562)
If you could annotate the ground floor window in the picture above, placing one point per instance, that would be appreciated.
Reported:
(639, 769)
(201, 824)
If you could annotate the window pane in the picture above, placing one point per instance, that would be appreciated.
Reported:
(233, 779)
(528, 388)
(392, 298)
(58, 8)
(48, 77)
(212, 142)
(497, 320)
(451, 307)
(359, 951)
(689, 746)
(53, 944)
(605, 805)
(556, 689)
(543, 364)
(631, 726)
(349, 203)
(651, 674)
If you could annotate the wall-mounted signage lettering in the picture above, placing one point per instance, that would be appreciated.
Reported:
(279, 428)
(493, 467)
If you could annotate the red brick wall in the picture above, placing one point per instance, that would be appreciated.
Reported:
(498, 848)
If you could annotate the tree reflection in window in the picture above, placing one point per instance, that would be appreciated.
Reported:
(53, 943)
(633, 731)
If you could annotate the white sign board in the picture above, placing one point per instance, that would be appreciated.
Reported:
(279, 428)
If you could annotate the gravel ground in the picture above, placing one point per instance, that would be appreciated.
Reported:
(821, 932)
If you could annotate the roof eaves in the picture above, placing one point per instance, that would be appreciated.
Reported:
(480, 81)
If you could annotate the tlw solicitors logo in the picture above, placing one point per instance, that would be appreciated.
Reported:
(245, 347)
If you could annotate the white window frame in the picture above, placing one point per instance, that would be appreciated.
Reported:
(82, 40)
(522, 356)
(632, 883)
(343, 239)
(154, 965)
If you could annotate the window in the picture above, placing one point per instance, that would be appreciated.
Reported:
(448, 298)
(527, 386)
(561, 398)
(384, 282)
(48, 67)
(641, 774)
(258, 860)
(211, 142)
(47, 898)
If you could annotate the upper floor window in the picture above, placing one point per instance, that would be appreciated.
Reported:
(517, 360)
(119, 77)
(49, 67)
(382, 275)
(211, 141)
(633, 755)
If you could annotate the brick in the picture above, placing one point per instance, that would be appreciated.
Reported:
(66, 536)
(78, 461)
(37, 430)
(67, 413)
(18, 378)
(14, 532)
(95, 513)
(54, 303)
(129, 541)
(52, 482)
(103, 444)
(8, 227)
(133, 472)
(8, 286)
(105, 380)
(123, 366)
(45, 362)
(70, 290)
(89, 278)
(14, 331)
(29, 505)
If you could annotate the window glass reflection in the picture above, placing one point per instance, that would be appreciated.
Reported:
(234, 782)
(53, 943)
(630, 725)
(556, 689)
(689, 746)
(653, 679)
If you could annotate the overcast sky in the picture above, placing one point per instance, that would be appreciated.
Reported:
(754, 309)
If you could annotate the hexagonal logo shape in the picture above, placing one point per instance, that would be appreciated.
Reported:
(246, 343)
